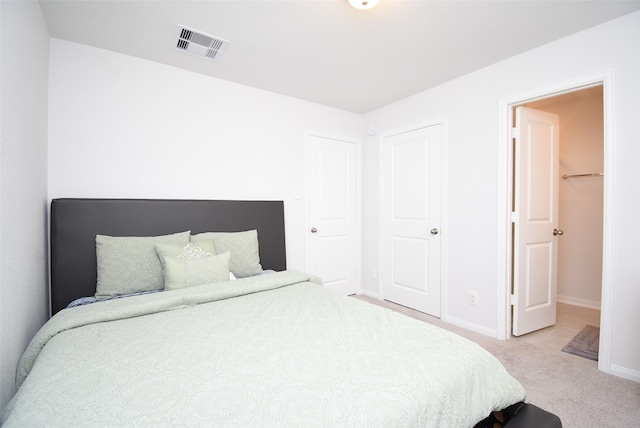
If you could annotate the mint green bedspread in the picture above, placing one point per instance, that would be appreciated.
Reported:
(276, 350)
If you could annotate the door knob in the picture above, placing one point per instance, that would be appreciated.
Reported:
(434, 231)
(314, 230)
(557, 232)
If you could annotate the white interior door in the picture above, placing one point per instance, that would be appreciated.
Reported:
(333, 213)
(536, 220)
(411, 218)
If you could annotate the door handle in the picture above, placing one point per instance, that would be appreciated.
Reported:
(558, 232)
(314, 230)
(434, 231)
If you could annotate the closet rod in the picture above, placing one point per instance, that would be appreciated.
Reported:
(593, 174)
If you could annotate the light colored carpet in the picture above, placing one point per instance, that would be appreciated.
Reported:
(585, 344)
(569, 386)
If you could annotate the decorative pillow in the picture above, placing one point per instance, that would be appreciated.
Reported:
(187, 272)
(243, 246)
(203, 249)
(130, 264)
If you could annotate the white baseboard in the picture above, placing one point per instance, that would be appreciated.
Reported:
(569, 300)
(471, 326)
(451, 320)
(370, 294)
(625, 373)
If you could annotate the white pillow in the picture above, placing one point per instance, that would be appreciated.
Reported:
(243, 246)
(180, 273)
(130, 264)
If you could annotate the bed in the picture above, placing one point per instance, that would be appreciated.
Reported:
(271, 347)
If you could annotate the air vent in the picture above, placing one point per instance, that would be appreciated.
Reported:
(200, 44)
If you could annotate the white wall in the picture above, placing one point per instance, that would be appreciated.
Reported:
(23, 183)
(471, 106)
(130, 128)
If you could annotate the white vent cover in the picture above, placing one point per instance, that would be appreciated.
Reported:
(201, 44)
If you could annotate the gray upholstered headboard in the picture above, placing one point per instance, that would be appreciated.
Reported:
(76, 222)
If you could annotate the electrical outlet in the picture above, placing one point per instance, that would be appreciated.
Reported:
(473, 298)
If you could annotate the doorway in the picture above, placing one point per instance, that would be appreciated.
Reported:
(604, 80)
(581, 189)
(577, 246)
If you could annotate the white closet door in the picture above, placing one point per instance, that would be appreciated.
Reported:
(536, 231)
(411, 218)
(333, 213)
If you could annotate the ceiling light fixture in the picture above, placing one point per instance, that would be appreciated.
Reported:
(363, 4)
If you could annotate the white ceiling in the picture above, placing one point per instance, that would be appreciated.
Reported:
(324, 51)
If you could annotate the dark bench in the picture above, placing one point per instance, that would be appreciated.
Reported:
(521, 415)
(530, 416)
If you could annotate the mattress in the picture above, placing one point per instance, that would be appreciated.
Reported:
(276, 350)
